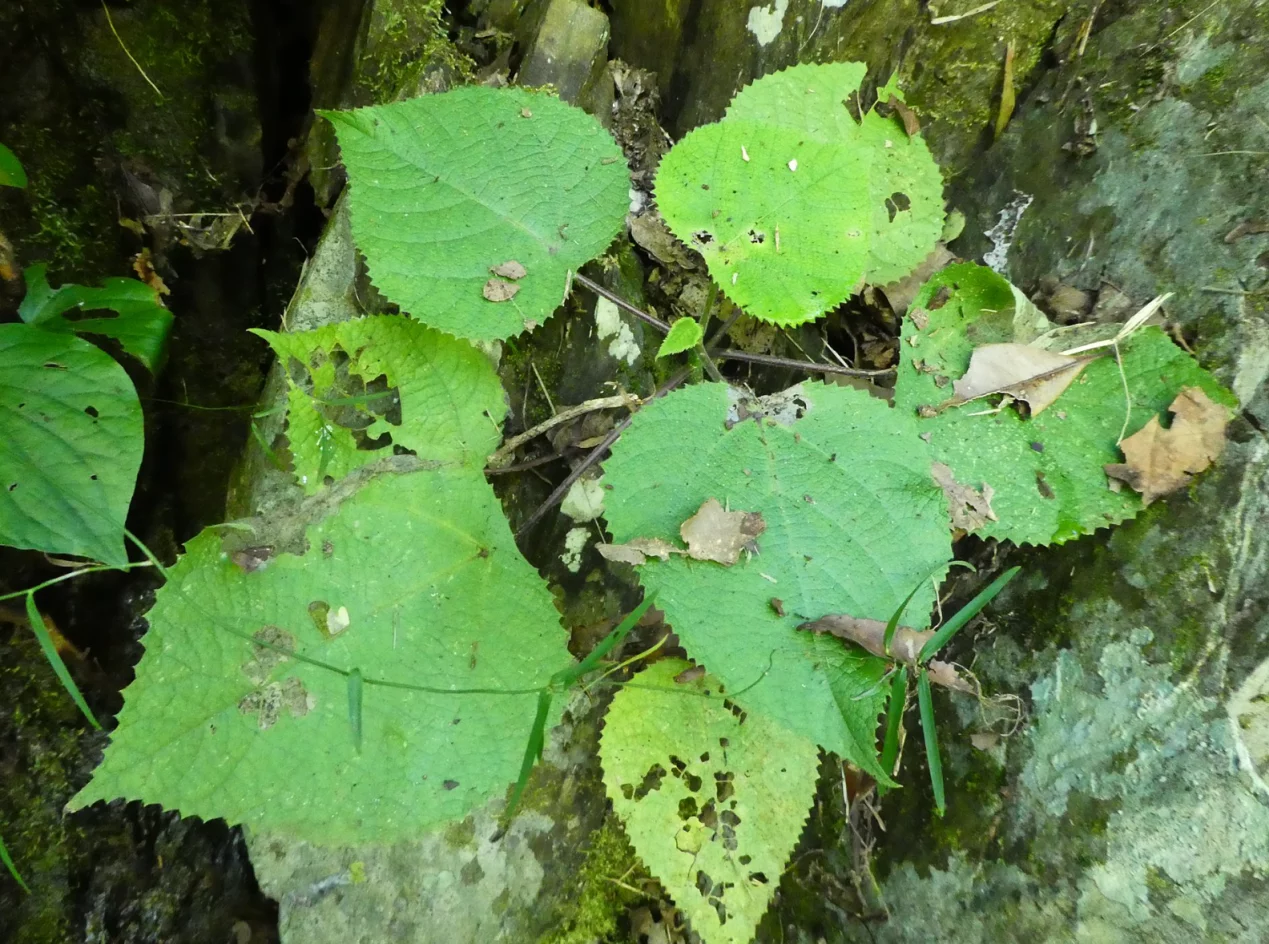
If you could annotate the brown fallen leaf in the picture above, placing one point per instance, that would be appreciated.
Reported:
(1035, 376)
(905, 647)
(910, 122)
(970, 508)
(713, 534)
(900, 292)
(638, 551)
(509, 270)
(143, 266)
(1161, 461)
(690, 674)
(496, 290)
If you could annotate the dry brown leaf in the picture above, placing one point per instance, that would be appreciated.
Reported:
(900, 292)
(713, 534)
(910, 122)
(1161, 461)
(637, 551)
(509, 270)
(496, 290)
(1026, 373)
(970, 508)
(143, 266)
(905, 647)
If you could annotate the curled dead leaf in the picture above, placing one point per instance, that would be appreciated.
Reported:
(509, 270)
(970, 508)
(1027, 373)
(1161, 461)
(637, 551)
(905, 647)
(714, 534)
(496, 290)
(911, 124)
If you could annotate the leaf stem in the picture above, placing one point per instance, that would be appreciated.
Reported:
(811, 366)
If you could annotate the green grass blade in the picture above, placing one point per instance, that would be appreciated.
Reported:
(894, 723)
(354, 706)
(926, 702)
(964, 615)
(894, 620)
(532, 751)
(13, 869)
(606, 645)
(55, 660)
(893, 624)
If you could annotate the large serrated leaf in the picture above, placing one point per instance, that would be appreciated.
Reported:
(446, 187)
(71, 437)
(713, 798)
(1045, 472)
(449, 399)
(853, 522)
(414, 579)
(793, 203)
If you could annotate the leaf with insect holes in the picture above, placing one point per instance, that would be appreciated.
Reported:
(1045, 472)
(140, 324)
(794, 203)
(684, 335)
(1160, 461)
(359, 388)
(424, 577)
(853, 522)
(444, 188)
(71, 437)
(713, 798)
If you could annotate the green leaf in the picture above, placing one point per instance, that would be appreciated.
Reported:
(894, 722)
(793, 203)
(853, 522)
(1045, 471)
(141, 324)
(435, 395)
(11, 175)
(49, 648)
(423, 574)
(713, 798)
(12, 869)
(445, 187)
(684, 335)
(964, 615)
(925, 703)
(72, 436)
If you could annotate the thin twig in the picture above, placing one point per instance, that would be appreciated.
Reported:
(622, 303)
(1087, 29)
(72, 574)
(529, 465)
(541, 386)
(111, 23)
(1231, 291)
(594, 456)
(800, 365)
(941, 20)
(603, 403)
(1191, 20)
(722, 332)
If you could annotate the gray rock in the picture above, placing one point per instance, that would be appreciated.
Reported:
(569, 50)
